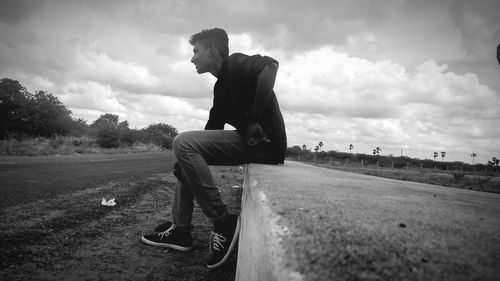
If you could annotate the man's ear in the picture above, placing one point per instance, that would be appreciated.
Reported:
(212, 50)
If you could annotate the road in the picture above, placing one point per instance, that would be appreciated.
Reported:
(26, 179)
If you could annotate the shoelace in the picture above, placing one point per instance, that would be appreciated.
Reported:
(165, 233)
(216, 241)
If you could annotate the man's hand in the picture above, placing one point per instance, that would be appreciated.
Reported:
(255, 135)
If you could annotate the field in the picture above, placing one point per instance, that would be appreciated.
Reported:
(455, 179)
(71, 236)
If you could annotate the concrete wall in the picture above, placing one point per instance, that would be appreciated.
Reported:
(260, 253)
(333, 225)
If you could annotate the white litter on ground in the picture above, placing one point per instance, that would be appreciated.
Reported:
(235, 186)
(110, 203)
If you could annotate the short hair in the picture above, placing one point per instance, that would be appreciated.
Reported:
(216, 36)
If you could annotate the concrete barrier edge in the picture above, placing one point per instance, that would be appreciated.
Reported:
(261, 255)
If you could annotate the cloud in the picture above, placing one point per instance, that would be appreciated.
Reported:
(335, 84)
(94, 66)
(91, 95)
(384, 104)
(13, 12)
(305, 26)
(479, 25)
(398, 74)
(93, 99)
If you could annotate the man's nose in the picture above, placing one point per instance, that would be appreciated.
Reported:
(192, 59)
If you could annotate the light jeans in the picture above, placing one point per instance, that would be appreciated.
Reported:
(195, 150)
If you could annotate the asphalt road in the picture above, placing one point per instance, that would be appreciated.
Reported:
(27, 179)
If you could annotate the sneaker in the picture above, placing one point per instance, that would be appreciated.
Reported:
(170, 238)
(222, 241)
(162, 227)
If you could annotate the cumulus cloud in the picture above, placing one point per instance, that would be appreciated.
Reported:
(335, 84)
(384, 104)
(412, 75)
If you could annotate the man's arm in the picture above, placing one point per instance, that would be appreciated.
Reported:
(264, 90)
(214, 122)
(265, 85)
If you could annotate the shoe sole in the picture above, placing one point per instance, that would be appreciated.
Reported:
(165, 245)
(231, 247)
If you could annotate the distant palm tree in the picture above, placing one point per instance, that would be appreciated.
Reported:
(495, 161)
(304, 147)
(443, 154)
(350, 148)
(320, 144)
(378, 150)
(316, 148)
(498, 54)
(435, 155)
(473, 155)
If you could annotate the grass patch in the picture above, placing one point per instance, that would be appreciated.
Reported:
(66, 145)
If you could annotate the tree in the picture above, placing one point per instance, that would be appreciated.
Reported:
(443, 154)
(48, 116)
(320, 144)
(107, 130)
(316, 148)
(160, 134)
(108, 137)
(13, 105)
(294, 150)
(435, 155)
(495, 161)
(473, 155)
(107, 119)
(79, 127)
(26, 114)
(498, 54)
(304, 147)
(350, 148)
(376, 151)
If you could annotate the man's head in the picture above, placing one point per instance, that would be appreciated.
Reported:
(210, 46)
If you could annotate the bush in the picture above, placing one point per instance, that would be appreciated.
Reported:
(166, 142)
(294, 151)
(129, 137)
(459, 176)
(159, 134)
(56, 142)
(76, 142)
(108, 137)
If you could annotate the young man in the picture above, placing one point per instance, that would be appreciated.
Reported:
(243, 98)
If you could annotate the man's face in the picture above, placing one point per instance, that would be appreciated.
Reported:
(201, 58)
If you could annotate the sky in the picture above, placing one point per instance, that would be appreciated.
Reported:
(409, 76)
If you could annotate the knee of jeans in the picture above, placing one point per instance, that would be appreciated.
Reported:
(181, 143)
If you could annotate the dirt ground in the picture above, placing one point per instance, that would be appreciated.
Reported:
(74, 237)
